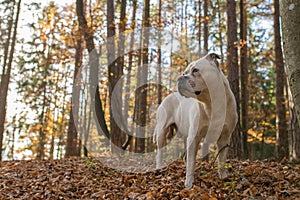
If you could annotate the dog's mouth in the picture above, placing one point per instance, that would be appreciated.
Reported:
(186, 87)
(197, 92)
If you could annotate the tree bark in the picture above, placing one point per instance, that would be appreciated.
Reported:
(120, 59)
(233, 72)
(205, 30)
(7, 43)
(96, 103)
(73, 148)
(5, 78)
(141, 92)
(281, 126)
(115, 71)
(294, 132)
(128, 78)
(244, 76)
(220, 25)
(199, 26)
(159, 61)
(290, 12)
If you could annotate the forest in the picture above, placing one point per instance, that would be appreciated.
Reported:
(81, 82)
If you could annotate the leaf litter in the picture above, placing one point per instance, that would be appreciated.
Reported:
(89, 178)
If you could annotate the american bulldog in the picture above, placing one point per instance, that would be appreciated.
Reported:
(203, 110)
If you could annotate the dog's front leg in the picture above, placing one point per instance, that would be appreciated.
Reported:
(192, 146)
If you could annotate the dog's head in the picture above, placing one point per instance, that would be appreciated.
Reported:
(193, 82)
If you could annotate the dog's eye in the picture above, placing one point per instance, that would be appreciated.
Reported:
(195, 70)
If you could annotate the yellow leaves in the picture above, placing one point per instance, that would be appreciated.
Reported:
(51, 14)
(206, 18)
(43, 38)
(259, 136)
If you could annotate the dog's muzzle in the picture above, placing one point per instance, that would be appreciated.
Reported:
(185, 88)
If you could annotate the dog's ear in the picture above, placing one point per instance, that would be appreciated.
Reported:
(214, 58)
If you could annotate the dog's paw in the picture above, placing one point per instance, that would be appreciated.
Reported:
(158, 166)
(189, 182)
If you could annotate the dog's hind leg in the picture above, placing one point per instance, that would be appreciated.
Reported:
(161, 143)
(222, 144)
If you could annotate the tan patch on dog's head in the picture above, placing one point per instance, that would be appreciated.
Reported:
(213, 57)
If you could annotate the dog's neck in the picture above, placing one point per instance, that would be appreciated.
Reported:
(204, 98)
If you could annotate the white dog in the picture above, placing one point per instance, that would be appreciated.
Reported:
(203, 110)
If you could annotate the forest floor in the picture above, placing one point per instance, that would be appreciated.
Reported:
(88, 178)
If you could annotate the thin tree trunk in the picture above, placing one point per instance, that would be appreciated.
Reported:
(199, 26)
(290, 12)
(96, 103)
(205, 30)
(54, 121)
(114, 75)
(220, 24)
(5, 79)
(128, 79)
(120, 136)
(281, 126)
(159, 62)
(233, 72)
(186, 22)
(137, 93)
(41, 145)
(244, 76)
(61, 129)
(73, 147)
(142, 91)
(7, 43)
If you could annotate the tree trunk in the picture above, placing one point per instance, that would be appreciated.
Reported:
(141, 92)
(5, 79)
(244, 76)
(119, 135)
(205, 30)
(73, 148)
(199, 26)
(290, 12)
(233, 72)
(220, 24)
(43, 116)
(281, 126)
(115, 71)
(294, 132)
(96, 103)
(128, 79)
(7, 43)
(159, 62)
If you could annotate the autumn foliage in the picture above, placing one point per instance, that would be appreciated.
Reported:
(79, 178)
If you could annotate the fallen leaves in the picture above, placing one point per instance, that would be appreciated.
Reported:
(79, 178)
